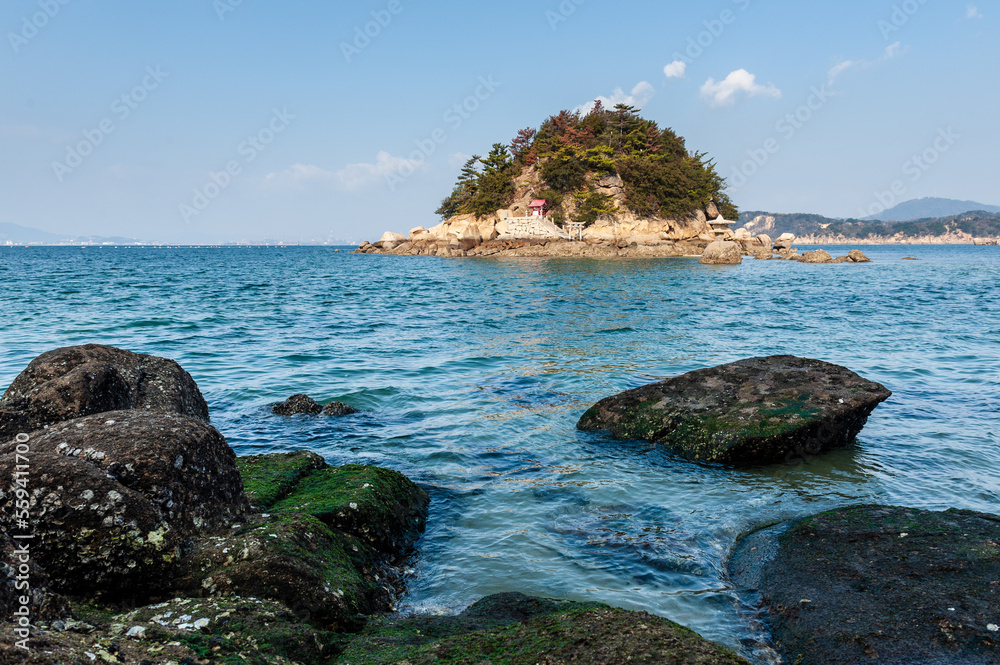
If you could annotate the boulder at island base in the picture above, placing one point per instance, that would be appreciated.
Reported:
(878, 584)
(752, 411)
(722, 253)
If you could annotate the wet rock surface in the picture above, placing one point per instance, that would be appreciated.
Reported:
(248, 631)
(879, 584)
(91, 533)
(517, 629)
(328, 579)
(182, 465)
(753, 411)
(297, 405)
(80, 381)
(304, 404)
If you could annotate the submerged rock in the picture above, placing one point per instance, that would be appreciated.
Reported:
(337, 409)
(303, 404)
(722, 252)
(749, 412)
(79, 381)
(296, 405)
(879, 584)
(816, 256)
(513, 628)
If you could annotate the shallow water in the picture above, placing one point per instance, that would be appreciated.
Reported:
(473, 373)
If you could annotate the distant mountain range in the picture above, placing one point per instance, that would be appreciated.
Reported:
(967, 228)
(23, 235)
(929, 208)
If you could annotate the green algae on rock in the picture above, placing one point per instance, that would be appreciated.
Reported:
(383, 508)
(879, 584)
(326, 578)
(514, 629)
(232, 631)
(753, 411)
(269, 478)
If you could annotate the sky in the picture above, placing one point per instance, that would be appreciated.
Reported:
(230, 120)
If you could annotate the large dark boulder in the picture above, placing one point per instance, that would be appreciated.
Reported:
(114, 498)
(878, 584)
(182, 465)
(749, 412)
(91, 533)
(513, 628)
(22, 578)
(80, 381)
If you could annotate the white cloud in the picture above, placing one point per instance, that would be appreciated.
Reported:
(458, 159)
(725, 92)
(891, 51)
(676, 69)
(973, 12)
(353, 176)
(840, 68)
(639, 97)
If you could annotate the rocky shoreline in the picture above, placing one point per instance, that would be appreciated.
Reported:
(132, 533)
(624, 236)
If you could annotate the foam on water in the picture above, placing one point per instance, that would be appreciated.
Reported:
(473, 373)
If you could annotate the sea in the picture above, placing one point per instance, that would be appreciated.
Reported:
(472, 373)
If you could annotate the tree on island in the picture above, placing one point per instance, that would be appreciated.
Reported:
(573, 152)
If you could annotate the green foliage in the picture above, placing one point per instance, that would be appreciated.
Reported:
(979, 224)
(592, 206)
(482, 191)
(661, 177)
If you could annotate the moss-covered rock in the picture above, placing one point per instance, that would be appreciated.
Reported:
(325, 577)
(753, 411)
(879, 584)
(231, 631)
(269, 478)
(381, 507)
(512, 629)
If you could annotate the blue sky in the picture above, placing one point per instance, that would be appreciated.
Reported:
(213, 120)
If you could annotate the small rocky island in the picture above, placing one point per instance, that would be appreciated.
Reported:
(606, 184)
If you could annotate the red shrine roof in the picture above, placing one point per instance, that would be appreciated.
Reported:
(537, 203)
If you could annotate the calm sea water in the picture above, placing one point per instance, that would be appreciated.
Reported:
(473, 373)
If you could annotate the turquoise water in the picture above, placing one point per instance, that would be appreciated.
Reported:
(473, 373)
